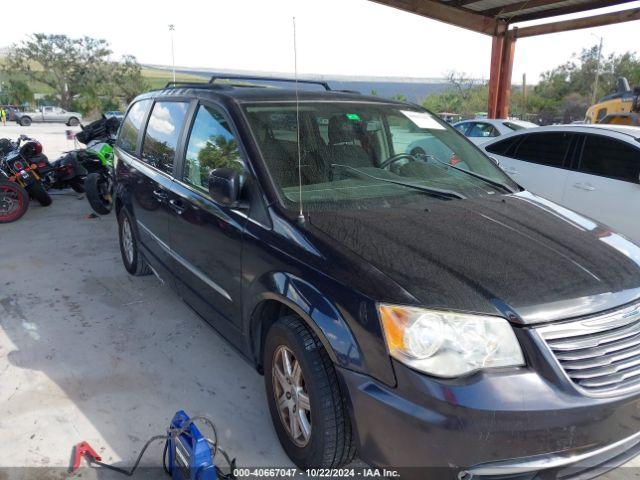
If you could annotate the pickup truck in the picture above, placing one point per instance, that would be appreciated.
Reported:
(48, 114)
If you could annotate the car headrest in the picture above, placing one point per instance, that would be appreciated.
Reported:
(344, 130)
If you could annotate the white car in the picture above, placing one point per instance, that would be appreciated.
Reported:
(592, 169)
(482, 130)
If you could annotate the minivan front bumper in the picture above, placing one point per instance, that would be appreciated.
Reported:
(510, 423)
(597, 460)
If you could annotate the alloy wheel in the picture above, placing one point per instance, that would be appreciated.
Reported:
(10, 201)
(292, 398)
(127, 240)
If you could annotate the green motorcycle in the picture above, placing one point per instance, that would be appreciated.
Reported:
(97, 158)
(98, 184)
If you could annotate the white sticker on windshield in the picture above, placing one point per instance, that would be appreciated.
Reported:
(422, 120)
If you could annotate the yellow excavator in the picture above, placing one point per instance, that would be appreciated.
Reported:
(620, 108)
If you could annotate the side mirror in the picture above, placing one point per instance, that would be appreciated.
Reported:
(225, 185)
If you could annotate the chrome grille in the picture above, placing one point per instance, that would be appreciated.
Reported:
(600, 354)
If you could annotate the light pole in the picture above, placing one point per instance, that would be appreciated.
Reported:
(594, 97)
(172, 28)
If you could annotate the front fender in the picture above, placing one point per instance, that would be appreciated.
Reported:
(313, 307)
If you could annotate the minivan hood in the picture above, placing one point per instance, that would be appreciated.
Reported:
(519, 254)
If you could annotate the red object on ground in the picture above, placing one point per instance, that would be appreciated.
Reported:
(80, 450)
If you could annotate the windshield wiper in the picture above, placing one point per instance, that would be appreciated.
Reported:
(437, 192)
(493, 183)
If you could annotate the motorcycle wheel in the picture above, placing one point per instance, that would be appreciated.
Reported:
(37, 191)
(14, 201)
(77, 184)
(99, 193)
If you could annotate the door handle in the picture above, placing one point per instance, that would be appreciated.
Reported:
(177, 206)
(584, 186)
(160, 195)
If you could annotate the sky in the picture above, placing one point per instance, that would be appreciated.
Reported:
(334, 37)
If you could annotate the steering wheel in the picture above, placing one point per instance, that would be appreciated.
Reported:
(394, 158)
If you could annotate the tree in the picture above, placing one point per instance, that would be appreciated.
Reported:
(570, 86)
(461, 81)
(466, 96)
(563, 93)
(69, 66)
(466, 103)
(15, 92)
(79, 71)
(127, 77)
(625, 65)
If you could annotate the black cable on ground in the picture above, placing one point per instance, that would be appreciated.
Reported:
(129, 473)
(174, 433)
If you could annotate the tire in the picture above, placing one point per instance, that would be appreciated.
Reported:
(134, 262)
(77, 184)
(73, 121)
(14, 201)
(25, 121)
(38, 192)
(330, 443)
(94, 184)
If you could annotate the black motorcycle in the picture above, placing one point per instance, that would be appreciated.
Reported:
(21, 161)
(65, 172)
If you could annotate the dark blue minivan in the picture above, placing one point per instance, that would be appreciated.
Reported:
(419, 309)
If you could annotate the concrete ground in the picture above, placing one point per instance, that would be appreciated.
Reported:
(88, 352)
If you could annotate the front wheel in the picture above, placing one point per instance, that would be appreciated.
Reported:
(99, 192)
(37, 191)
(14, 201)
(307, 408)
(25, 121)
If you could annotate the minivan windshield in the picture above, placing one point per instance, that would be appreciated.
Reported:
(367, 154)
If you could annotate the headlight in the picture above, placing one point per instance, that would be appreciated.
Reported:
(448, 344)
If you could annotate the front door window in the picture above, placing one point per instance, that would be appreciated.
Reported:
(211, 145)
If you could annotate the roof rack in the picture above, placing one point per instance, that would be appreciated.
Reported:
(187, 85)
(268, 79)
(349, 91)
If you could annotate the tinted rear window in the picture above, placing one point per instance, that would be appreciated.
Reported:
(548, 149)
(502, 147)
(611, 158)
(161, 138)
(128, 139)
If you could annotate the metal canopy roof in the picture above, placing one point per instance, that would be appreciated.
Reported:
(493, 17)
